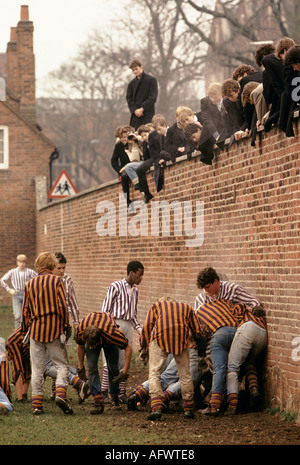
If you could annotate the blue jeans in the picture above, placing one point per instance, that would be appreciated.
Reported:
(130, 169)
(249, 341)
(175, 387)
(112, 359)
(219, 348)
(17, 303)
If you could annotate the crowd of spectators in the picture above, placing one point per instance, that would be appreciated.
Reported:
(251, 100)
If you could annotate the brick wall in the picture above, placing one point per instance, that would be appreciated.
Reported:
(251, 236)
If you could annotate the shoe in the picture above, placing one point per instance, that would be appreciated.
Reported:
(230, 411)
(63, 404)
(3, 410)
(156, 415)
(254, 393)
(211, 412)
(132, 403)
(83, 392)
(147, 198)
(115, 405)
(123, 398)
(98, 409)
(189, 414)
(38, 411)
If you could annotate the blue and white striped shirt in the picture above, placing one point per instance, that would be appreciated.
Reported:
(228, 291)
(121, 302)
(17, 278)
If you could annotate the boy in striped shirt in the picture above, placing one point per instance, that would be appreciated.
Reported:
(5, 390)
(96, 331)
(18, 277)
(218, 306)
(166, 331)
(19, 356)
(46, 319)
(121, 301)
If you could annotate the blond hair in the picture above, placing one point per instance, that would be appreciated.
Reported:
(21, 258)
(45, 261)
(214, 90)
(182, 115)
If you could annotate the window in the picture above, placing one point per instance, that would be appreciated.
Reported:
(3, 147)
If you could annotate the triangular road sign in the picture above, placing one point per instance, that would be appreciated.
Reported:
(63, 187)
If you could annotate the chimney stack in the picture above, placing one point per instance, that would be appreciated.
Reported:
(20, 82)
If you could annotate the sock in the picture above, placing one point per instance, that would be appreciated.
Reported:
(76, 383)
(188, 405)
(167, 397)
(37, 402)
(156, 403)
(215, 401)
(104, 384)
(141, 394)
(98, 399)
(251, 375)
(61, 391)
(232, 400)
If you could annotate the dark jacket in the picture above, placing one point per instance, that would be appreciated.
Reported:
(142, 93)
(213, 118)
(119, 157)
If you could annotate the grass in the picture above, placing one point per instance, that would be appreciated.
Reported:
(20, 427)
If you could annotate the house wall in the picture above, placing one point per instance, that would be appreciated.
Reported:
(246, 207)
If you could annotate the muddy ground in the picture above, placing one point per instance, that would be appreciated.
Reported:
(249, 427)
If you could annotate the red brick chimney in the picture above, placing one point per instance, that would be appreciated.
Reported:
(20, 82)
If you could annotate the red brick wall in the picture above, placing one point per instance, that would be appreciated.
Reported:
(28, 157)
(251, 236)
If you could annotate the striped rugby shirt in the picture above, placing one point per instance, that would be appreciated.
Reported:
(44, 311)
(71, 298)
(18, 355)
(17, 278)
(121, 302)
(219, 313)
(170, 322)
(110, 333)
(228, 291)
(246, 316)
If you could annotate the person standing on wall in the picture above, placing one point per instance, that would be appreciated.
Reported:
(141, 95)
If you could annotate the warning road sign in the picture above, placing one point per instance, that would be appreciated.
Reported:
(63, 187)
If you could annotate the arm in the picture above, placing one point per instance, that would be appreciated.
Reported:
(80, 356)
(4, 280)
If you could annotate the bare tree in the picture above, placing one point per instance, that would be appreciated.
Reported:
(235, 26)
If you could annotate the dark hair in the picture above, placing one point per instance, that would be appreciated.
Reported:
(262, 51)
(207, 276)
(292, 56)
(249, 87)
(285, 43)
(134, 63)
(191, 129)
(60, 257)
(91, 335)
(241, 70)
(134, 266)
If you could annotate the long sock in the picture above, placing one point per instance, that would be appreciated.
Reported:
(251, 374)
(156, 403)
(232, 400)
(76, 383)
(215, 401)
(141, 394)
(188, 405)
(61, 391)
(104, 383)
(167, 396)
(98, 399)
(37, 402)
